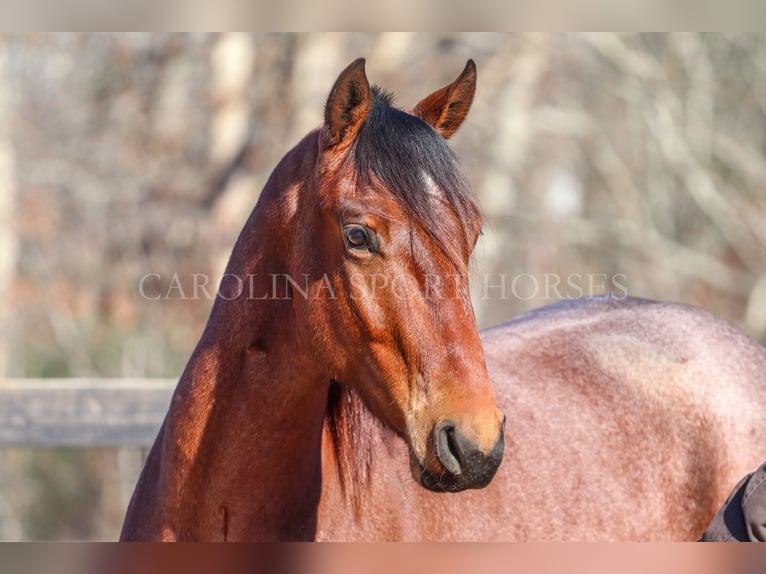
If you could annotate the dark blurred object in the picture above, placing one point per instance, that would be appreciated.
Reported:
(742, 518)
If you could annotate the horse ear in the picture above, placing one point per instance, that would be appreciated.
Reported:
(446, 109)
(348, 104)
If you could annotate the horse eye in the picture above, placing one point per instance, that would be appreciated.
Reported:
(356, 237)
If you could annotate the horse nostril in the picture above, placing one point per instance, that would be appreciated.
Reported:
(447, 449)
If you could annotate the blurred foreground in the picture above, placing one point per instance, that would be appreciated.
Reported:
(376, 558)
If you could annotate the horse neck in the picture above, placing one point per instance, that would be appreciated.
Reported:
(241, 451)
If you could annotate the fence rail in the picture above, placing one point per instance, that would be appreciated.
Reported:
(82, 412)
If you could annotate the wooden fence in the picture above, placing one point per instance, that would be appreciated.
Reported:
(82, 412)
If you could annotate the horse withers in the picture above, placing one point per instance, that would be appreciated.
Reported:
(346, 393)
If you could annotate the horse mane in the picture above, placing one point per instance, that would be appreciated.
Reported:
(354, 432)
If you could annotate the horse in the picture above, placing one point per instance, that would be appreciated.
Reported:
(342, 391)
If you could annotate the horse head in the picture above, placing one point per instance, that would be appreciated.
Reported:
(386, 230)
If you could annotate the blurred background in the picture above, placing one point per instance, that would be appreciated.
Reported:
(623, 163)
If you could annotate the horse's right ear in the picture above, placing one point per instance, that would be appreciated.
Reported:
(349, 102)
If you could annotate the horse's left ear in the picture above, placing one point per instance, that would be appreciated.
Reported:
(348, 104)
(446, 109)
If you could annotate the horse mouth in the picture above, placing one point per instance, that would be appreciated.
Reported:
(454, 462)
(444, 481)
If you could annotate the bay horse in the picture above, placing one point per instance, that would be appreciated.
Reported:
(342, 391)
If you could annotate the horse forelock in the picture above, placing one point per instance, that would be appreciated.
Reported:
(413, 162)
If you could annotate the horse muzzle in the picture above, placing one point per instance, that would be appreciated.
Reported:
(461, 463)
